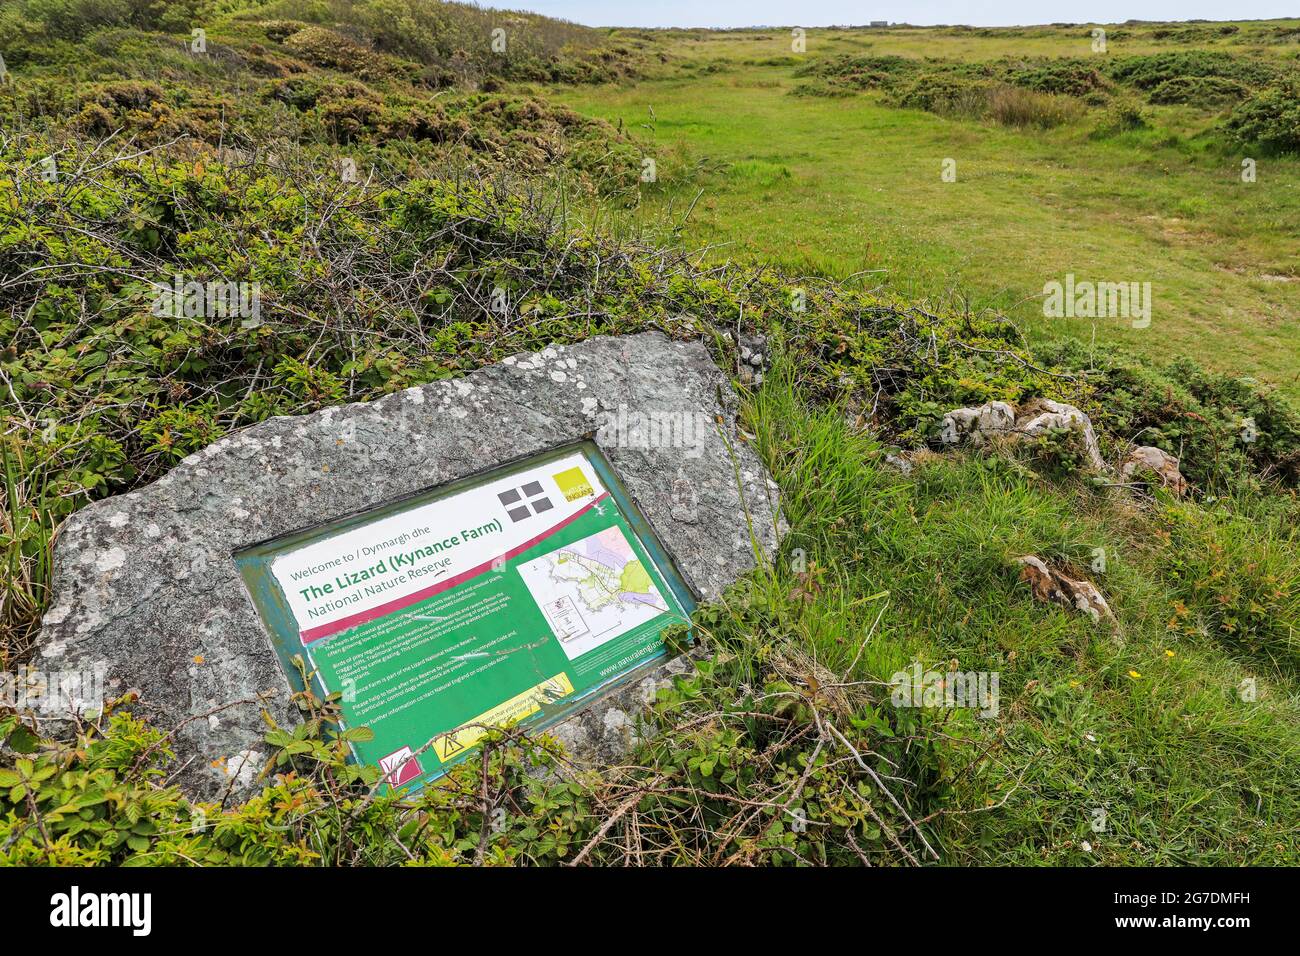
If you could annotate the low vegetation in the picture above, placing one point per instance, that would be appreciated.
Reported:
(348, 75)
(1052, 92)
(1178, 723)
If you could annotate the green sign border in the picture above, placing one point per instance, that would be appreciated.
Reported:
(254, 563)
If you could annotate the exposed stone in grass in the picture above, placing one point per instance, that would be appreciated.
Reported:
(1051, 585)
(1150, 460)
(977, 425)
(1035, 419)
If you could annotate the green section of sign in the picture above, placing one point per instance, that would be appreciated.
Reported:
(527, 640)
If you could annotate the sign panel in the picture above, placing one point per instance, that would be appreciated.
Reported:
(513, 597)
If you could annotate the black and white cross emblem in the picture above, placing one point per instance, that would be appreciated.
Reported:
(517, 501)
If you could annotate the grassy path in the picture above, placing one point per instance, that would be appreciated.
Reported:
(848, 186)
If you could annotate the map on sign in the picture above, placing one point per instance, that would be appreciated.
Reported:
(593, 591)
(507, 599)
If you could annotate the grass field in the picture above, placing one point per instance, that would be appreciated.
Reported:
(852, 187)
(1141, 726)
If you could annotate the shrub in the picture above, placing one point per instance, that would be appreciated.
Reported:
(863, 72)
(1124, 115)
(321, 47)
(1205, 91)
(960, 94)
(1270, 119)
(77, 19)
(1198, 415)
(1069, 77)
(124, 95)
(1148, 72)
(947, 94)
(281, 30)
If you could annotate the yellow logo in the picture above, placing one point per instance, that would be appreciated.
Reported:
(573, 484)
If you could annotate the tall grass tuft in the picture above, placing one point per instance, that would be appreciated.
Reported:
(26, 539)
(1025, 109)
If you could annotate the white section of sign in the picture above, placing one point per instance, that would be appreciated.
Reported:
(396, 556)
(565, 619)
(598, 580)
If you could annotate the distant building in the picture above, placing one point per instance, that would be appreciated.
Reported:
(879, 23)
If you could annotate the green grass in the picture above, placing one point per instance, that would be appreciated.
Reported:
(864, 196)
(1185, 770)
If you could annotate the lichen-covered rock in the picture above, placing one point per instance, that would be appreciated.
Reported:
(908, 460)
(145, 584)
(1042, 415)
(902, 463)
(1148, 459)
(1049, 584)
(1032, 420)
(977, 425)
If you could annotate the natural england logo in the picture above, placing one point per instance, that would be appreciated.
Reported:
(1098, 300)
(210, 300)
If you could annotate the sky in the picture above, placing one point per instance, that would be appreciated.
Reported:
(813, 13)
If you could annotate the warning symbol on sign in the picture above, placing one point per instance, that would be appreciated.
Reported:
(447, 745)
(506, 714)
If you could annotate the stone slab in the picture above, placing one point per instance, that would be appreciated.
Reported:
(145, 584)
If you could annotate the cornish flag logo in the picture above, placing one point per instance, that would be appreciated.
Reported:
(517, 501)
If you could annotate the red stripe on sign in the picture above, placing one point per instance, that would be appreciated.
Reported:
(313, 634)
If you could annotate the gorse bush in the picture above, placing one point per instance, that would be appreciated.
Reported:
(264, 84)
(1123, 114)
(964, 96)
(1204, 91)
(862, 72)
(1069, 77)
(1149, 71)
(78, 19)
(945, 94)
(441, 42)
(1270, 119)
(1228, 433)
(453, 38)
